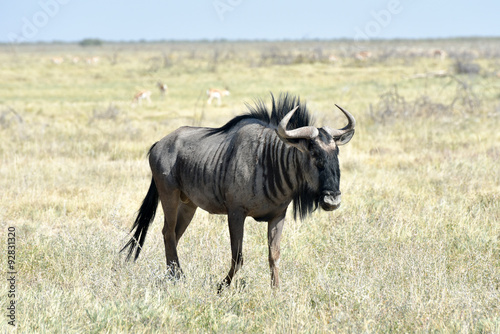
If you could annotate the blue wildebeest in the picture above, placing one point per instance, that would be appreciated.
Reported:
(255, 165)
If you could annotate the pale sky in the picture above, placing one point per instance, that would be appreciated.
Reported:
(127, 20)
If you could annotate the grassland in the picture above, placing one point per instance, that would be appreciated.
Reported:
(415, 246)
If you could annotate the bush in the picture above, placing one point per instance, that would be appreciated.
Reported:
(462, 67)
(90, 42)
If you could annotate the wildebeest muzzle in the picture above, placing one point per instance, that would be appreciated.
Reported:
(330, 200)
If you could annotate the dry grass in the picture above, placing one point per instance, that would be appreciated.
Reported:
(415, 246)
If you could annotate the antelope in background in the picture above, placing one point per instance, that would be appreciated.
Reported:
(216, 94)
(333, 59)
(142, 95)
(162, 87)
(57, 60)
(441, 54)
(363, 55)
(92, 60)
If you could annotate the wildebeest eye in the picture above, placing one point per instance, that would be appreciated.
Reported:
(320, 163)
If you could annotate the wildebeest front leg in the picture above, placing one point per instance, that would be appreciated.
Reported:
(274, 229)
(236, 221)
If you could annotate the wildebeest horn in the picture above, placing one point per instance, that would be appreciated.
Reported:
(305, 132)
(349, 127)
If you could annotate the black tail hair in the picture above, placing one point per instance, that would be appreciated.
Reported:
(144, 218)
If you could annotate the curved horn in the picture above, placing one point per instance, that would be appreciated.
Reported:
(349, 127)
(305, 132)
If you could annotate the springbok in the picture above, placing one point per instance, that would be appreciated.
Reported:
(142, 95)
(333, 59)
(92, 60)
(58, 60)
(216, 94)
(441, 54)
(162, 87)
(363, 55)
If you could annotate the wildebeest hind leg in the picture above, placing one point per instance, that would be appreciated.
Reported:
(184, 216)
(170, 201)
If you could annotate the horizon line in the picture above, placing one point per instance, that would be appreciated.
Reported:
(229, 40)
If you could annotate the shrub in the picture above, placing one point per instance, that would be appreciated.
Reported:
(462, 67)
(90, 42)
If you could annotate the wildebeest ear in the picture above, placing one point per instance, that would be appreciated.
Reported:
(345, 138)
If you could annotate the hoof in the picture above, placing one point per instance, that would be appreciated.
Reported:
(239, 285)
(175, 273)
(223, 285)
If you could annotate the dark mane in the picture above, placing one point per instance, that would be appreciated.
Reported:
(305, 202)
(279, 109)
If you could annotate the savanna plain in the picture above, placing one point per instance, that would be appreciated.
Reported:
(415, 246)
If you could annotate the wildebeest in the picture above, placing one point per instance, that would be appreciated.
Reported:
(255, 165)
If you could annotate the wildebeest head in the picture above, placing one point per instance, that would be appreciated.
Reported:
(320, 145)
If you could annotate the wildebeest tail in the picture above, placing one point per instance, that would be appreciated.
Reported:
(144, 218)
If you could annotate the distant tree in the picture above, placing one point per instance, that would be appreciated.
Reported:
(90, 42)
